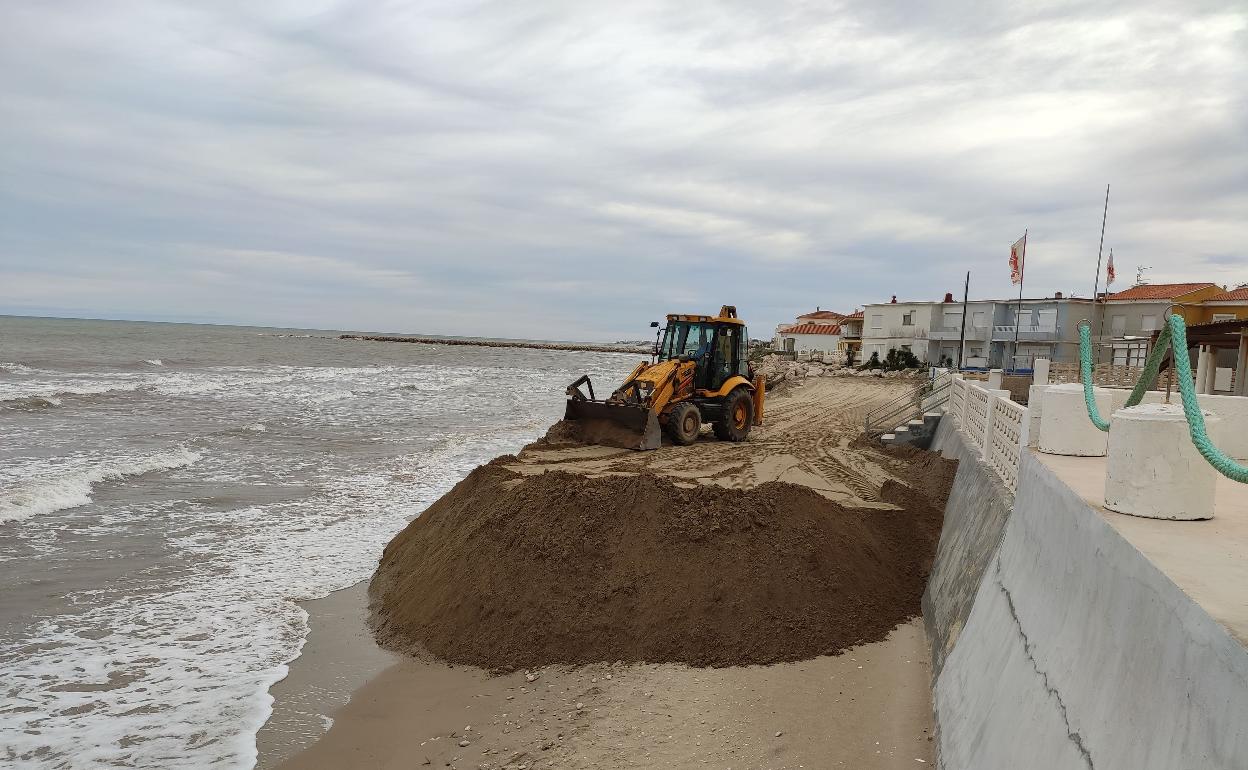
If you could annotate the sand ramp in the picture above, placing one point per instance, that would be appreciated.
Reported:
(797, 543)
(806, 441)
(564, 568)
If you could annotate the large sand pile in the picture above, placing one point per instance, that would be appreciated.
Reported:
(509, 571)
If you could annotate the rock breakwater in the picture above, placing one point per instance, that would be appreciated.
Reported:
(488, 343)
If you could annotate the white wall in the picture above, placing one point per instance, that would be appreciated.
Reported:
(826, 342)
(883, 328)
(1047, 674)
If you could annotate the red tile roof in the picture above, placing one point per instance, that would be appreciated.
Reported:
(824, 314)
(855, 315)
(1234, 295)
(831, 329)
(1160, 290)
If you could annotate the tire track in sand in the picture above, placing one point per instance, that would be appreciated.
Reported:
(805, 440)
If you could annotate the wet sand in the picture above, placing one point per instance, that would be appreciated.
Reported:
(866, 708)
(339, 657)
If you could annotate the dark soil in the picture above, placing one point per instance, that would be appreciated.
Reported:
(601, 432)
(508, 571)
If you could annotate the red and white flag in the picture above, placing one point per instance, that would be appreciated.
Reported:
(1017, 252)
(1109, 269)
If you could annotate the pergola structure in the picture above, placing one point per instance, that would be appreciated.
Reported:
(1212, 337)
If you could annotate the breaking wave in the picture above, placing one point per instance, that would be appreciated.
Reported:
(70, 488)
(31, 402)
(54, 395)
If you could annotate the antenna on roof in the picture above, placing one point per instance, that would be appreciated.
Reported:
(1140, 280)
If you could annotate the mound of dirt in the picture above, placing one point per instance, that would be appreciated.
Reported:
(509, 571)
(599, 432)
(932, 474)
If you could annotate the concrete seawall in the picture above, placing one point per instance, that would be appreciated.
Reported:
(979, 506)
(1057, 644)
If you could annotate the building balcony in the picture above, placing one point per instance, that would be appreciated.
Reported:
(1007, 333)
(955, 333)
(903, 332)
(850, 334)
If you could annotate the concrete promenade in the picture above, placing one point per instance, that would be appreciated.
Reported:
(1089, 639)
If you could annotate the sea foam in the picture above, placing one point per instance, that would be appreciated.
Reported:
(71, 487)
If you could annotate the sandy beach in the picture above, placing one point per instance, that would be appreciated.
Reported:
(867, 707)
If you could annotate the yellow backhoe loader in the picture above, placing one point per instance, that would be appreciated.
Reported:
(699, 373)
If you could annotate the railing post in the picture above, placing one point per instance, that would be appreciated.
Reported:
(985, 443)
(966, 397)
(993, 395)
(1040, 372)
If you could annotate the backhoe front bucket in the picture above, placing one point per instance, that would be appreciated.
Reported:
(619, 425)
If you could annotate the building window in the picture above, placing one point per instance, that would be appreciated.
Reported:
(1148, 323)
(977, 320)
(1129, 355)
(907, 319)
(877, 321)
(1118, 324)
(1223, 317)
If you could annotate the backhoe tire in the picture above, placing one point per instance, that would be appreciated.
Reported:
(684, 423)
(736, 417)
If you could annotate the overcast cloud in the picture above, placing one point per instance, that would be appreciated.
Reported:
(572, 169)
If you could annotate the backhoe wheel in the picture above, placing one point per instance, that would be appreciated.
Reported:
(736, 417)
(684, 422)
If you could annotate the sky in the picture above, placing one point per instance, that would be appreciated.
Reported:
(573, 170)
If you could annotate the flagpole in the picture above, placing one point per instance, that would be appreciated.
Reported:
(1022, 276)
(1096, 286)
(1100, 332)
(966, 291)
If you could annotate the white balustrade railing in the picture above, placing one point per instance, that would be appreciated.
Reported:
(995, 427)
(1007, 437)
(957, 400)
(978, 412)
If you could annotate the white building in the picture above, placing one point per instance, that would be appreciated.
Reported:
(948, 329)
(810, 338)
(819, 332)
(897, 325)
(997, 333)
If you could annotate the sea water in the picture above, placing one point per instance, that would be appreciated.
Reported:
(169, 492)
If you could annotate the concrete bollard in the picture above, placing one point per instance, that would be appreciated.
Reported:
(1040, 372)
(1153, 468)
(1064, 425)
(1035, 410)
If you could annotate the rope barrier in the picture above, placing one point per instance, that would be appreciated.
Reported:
(1173, 337)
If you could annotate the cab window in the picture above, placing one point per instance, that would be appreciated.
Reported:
(686, 339)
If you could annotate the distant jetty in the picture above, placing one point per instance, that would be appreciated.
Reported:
(584, 347)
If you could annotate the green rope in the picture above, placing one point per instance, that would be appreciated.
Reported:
(1085, 374)
(1173, 336)
(1191, 408)
(1149, 375)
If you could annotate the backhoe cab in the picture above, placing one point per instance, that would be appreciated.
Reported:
(699, 373)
